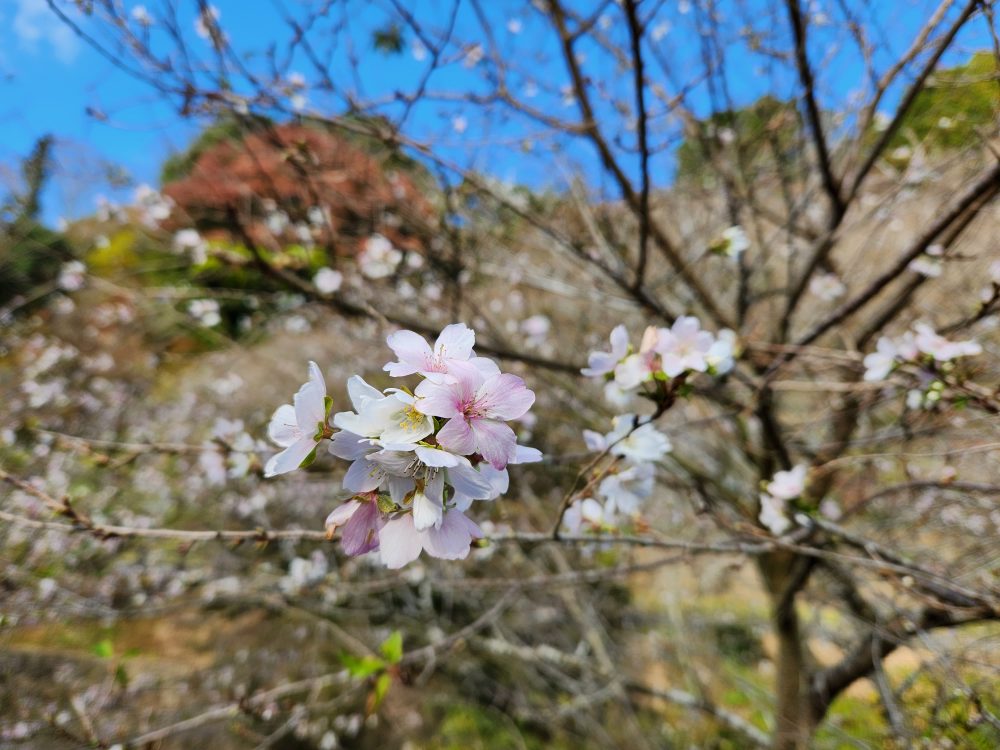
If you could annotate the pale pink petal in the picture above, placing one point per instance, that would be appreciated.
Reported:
(348, 446)
(486, 366)
(703, 341)
(399, 542)
(595, 441)
(455, 342)
(363, 476)
(671, 364)
(457, 436)
(426, 513)
(495, 441)
(686, 326)
(438, 399)
(472, 483)
(284, 429)
(361, 532)
(650, 339)
(504, 397)
(451, 541)
(412, 350)
(399, 488)
(599, 363)
(339, 516)
(435, 457)
(619, 341)
(291, 458)
(316, 377)
(499, 480)
(361, 393)
(310, 407)
(525, 455)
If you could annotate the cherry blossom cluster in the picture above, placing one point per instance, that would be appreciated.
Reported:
(784, 487)
(663, 354)
(922, 343)
(621, 488)
(420, 457)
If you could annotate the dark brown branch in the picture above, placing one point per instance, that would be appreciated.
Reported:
(638, 70)
(830, 182)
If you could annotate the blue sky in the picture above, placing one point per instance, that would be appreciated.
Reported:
(50, 79)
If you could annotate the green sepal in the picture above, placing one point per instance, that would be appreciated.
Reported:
(307, 461)
(386, 504)
(327, 405)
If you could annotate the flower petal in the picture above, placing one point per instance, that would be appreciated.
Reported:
(455, 342)
(505, 397)
(361, 393)
(526, 455)
(495, 441)
(412, 350)
(284, 429)
(361, 532)
(436, 457)
(399, 542)
(438, 399)
(451, 541)
(363, 476)
(339, 516)
(350, 447)
(427, 513)
(291, 458)
(310, 407)
(457, 436)
(470, 482)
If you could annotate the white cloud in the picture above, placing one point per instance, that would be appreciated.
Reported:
(36, 24)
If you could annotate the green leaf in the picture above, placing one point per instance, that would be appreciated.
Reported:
(327, 405)
(363, 666)
(381, 688)
(392, 647)
(104, 649)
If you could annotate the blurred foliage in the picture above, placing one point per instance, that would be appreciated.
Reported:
(30, 254)
(227, 128)
(766, 132)
(946, 114)
(955, 103)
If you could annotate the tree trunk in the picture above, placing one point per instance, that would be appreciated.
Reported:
(784, 575)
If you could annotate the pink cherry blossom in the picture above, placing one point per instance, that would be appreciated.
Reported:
(477, 408)
(601, 363)
(452, 349)
(400, 542)
(684, 346)
(940, 348)
(639, 367)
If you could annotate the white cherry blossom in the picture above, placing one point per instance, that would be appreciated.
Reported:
(297, 427)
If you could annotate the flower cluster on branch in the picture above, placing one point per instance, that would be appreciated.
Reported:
(420, 457)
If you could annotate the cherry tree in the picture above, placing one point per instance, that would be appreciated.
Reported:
(736, 313)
